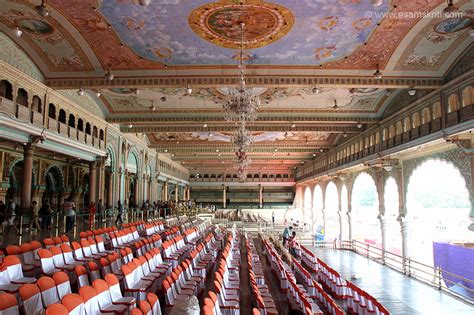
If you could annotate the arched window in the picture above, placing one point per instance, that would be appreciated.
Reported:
(80, 124)
(391, 205)
(406, 124)
(62, 116)
(391, 131)
(438, 205)
(453, 103)
(425, 115)
(416, 120)
(436, 110)
(22, 97)
(72, 121)
(384, 134)
(94, 132)
(468, 96)
(6, 90)
(101, 134)
(52, 111)
(318, 205)
(331, 217)
(365, 210)
(377, 138)
(36, 104)
(344, 209)
(88, 128)
(398, 128)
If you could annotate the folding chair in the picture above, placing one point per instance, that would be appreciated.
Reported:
(49, 292)
(31, 297)
(8, 304)
(15, 271)
(63, 284)
(74, 304)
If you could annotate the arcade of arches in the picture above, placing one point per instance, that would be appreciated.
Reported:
(359, 133)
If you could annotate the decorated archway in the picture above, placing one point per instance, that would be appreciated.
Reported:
(438, 207)
(393, 236)
(307, 215)
(365, 210)
(331, 216)
(344, 209)
(318, 219)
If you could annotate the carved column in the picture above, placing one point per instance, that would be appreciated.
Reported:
(136, 193)
(379, 182)
(165, 191)
(405, 226)
(110, 188)
(92, 181)
(260, 194)
(383, 230)
(176, 193)
(27, 177)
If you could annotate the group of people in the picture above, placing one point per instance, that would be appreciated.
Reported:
(289, 240)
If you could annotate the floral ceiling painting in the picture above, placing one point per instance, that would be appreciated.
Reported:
(285, 32)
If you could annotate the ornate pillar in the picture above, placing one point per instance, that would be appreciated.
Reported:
(27, 177)
(349, 211)
(406, 231)
(136, 193)
(101, 185)
(339, 214)
(165, 191)
(92, 181)
(224, 196)
(110, 188)
(176, 193)
(299, 197)
(260, 194)
(383, 230)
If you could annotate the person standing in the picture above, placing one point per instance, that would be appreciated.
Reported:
(119, 213)
(92, 211)
(286, 234)
(70, 212)
(273, 218)
(11, 215)
(100, 212)
(34, 217)
(292, 244)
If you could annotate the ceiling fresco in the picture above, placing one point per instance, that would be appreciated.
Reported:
(122, 100)
(286, 32)
(54, 44)
(303, 57)
(227, 136)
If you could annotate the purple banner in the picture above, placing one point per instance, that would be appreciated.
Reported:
(455, 259)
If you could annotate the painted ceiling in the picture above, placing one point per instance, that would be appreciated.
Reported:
(291, 47)
(126, 100)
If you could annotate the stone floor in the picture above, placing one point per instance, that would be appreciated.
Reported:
(400, 294)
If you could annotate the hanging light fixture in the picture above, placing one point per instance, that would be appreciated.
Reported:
(377, 74)
(242, 104)
(17, 32)
(42, 9)
(335, 106)
(97, 94)
(377, 3)
(109, 76)
(242, 138)
(451, 8)
(144, 3)
(80, 92)
(189, 90)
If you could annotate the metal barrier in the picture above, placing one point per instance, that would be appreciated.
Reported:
(411, 268)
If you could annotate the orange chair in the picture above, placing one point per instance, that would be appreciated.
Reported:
(15, 271)
(136, 311)
(31, 296)
(206, 310)
(152, 298)
(63, 284)
(145, 307)
(56, 309)
(8, 304)
(74, 304)
(105, 300)
(49, 293)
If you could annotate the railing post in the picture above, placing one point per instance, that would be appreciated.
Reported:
(409, 267)
(440, 283)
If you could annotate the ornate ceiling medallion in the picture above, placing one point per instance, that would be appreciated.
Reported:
(219, 23)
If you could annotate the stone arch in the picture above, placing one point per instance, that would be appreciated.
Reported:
(331, 209)
(425, 115)
(54, 186)
(6, 90)
(317, 213)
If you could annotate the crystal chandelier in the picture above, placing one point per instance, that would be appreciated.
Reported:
(242, 105)
(242, 138)
(242, 164)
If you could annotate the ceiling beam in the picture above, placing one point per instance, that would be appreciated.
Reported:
(231, 128)
(169, 79)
